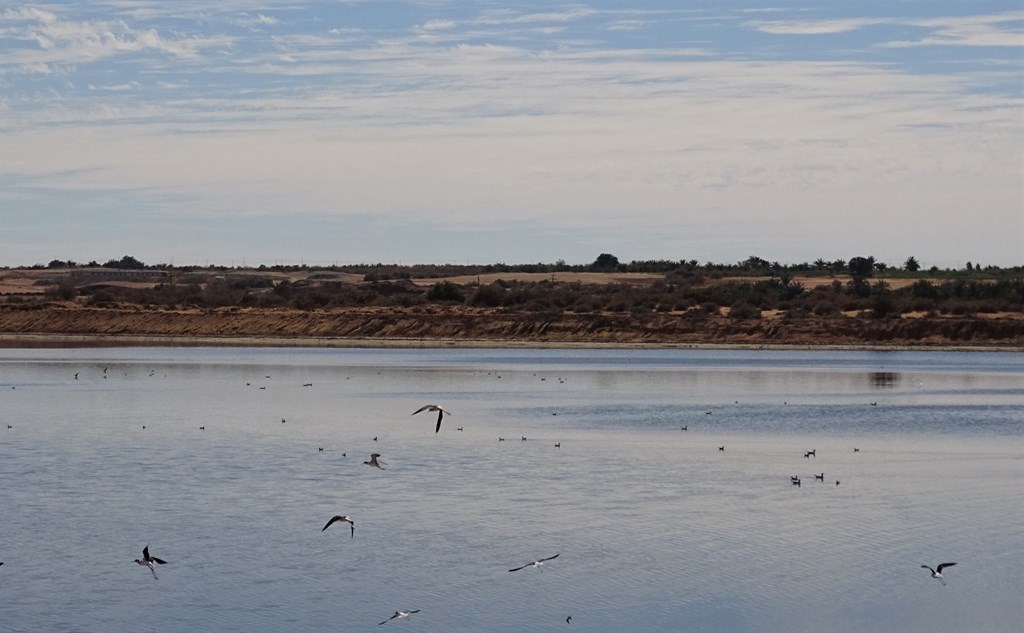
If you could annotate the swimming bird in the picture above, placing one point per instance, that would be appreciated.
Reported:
(148, 561)
(501, 439)
(721, 448)
(795, 481)
(433, 407)
(684, 428)
(202, 428)
(459, 429)
(568, 619)
(401, 615)
(558, 445)
(76, 375)
(937, 572)
(809, 454)
(856, 450)
(820, 477)
(343, 519)
(837, 482)
(524, 438)
(373, 461)
(537, 564)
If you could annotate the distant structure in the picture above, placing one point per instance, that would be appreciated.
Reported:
(90, 275)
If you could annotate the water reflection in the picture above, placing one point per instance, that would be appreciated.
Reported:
(885, 379)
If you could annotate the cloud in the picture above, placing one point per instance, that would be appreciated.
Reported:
(982, 30)
(62, 41)
(978, 30)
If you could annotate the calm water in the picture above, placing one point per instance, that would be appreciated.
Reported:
(657, 529)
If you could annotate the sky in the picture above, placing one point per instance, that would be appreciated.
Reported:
(475, 131)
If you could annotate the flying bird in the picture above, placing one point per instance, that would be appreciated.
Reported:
(148, 561)
(433, 407)
(373, 462)
(536, 564)
(937, 572)
(343, 519)
(401, 615)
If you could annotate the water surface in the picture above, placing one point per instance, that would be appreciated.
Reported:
(657, 529)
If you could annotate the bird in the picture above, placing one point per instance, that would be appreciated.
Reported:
(568, 619)
(856, 450)
(837, 482)
(537, 564)
(148, 561)
(820, 477)
(721, 448)
(308, 384)
(684, 428)
(433, 407)
(401, 615)
(795, 481)
(459, 429)
(810, 454)
(343, 519)
(202, 428)
(373, 461)
(501, 439)
(937, 572)
(524, 438)
(558, 445)
(76, 375)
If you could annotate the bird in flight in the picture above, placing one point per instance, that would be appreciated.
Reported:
(937, 572)
(433, 407)
(343, 519)
(373, 462)
(148, 561)
(401, 615)
(537, 564)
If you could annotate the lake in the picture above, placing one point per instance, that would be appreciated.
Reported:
(656, 528)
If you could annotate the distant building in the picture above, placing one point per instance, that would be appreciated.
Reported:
(90, 275)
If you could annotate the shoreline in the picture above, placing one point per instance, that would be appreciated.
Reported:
(72, 341)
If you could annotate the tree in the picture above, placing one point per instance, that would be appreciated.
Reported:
(445, 291)
(127, 262)
(861, 266)
(605, 262)
(911, 265)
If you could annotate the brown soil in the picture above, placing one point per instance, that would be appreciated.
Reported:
(458, 325)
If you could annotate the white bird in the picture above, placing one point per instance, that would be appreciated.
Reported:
(343, 519)
(148, 561)
(373, 462)
(937, 572)
(537, 564)
(433, 407)
(401, 615)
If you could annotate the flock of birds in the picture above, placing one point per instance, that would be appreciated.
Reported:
(150, 561)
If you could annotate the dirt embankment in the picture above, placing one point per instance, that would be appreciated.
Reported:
(457, 324)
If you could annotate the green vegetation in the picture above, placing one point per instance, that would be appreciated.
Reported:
(743, 290)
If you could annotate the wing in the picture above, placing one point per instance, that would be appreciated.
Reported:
(145, 552)
(943, 566)
(388, 620)
(353, 530)
(440, 414)
(159, 561)
(928, 568)
(548, 558)
(333, 520)
(415, 611)
(523, 567)
(423, 408)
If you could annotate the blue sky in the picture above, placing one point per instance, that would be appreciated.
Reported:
(434, 131)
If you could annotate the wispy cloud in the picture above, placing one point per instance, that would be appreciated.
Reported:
(1002, 29)
(62, 41)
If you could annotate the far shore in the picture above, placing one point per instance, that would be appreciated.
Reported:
(58, 341)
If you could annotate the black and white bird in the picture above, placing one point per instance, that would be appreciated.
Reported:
(937, 572)
(401, 615)
(149, 561)
(373, 462)
(433, 407)
(537, 564)
(344, 519)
